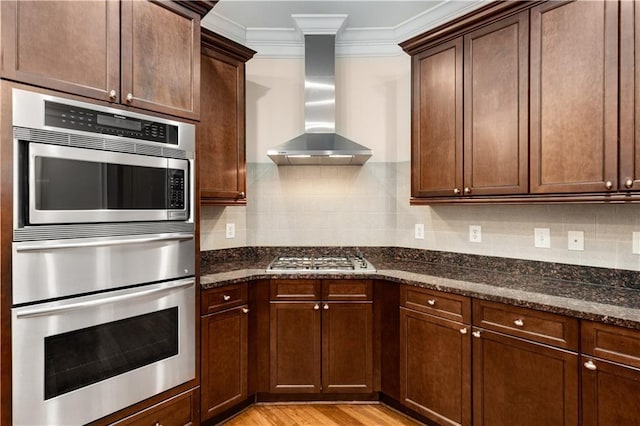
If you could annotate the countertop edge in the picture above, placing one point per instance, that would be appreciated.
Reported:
(599, 312)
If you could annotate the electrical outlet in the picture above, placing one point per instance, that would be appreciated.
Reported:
(231, 230)
(475, 233)
(541, 237)
(636, 243)
(575, 240)
(418, 231)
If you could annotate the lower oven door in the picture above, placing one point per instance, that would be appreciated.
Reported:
(80, 359)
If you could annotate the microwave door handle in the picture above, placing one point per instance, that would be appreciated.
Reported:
(100, 300)
(102, 242)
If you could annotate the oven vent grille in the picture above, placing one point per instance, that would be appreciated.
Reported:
(87, 230)
(86, 142)
(174, 153)
(56, 138)
(119, 146)
(40, 136)
(149, 150)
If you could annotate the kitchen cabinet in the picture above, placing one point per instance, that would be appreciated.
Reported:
(518, 377)
(435, 355)
(490, 156)
(224, 347)
(139, 53)
(610, 375)
(574, 101)
(321, 336)
(221, 132)
(629, 174)
(180, 410)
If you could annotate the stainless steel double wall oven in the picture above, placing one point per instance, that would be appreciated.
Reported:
(103, 258)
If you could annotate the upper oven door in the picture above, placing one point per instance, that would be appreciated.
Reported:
(78, 185)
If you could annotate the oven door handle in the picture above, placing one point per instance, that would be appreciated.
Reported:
(98, 242)
(101, 300)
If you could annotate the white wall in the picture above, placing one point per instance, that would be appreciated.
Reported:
(369, 205)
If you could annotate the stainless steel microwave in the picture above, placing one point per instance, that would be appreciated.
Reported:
(79, 163)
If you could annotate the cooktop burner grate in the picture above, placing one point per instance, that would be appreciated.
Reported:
(334, 263)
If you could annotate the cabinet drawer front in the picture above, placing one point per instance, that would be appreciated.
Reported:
(295, 289)
(443, 305)
(222, 298)
(346, 290)
(611, 343)
(530, 324)
(177, 411)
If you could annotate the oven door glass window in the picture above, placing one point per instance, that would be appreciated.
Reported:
(82, 357)
(63, 184)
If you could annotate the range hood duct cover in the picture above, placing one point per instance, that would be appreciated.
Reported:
(319, 145)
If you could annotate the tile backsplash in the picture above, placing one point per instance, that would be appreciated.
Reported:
(369, 206)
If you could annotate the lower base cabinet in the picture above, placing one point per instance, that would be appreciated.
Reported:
(435, 367)
(516, 382)
(224, 360)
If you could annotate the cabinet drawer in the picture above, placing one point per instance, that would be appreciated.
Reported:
(177, 411)
(218, 299)
(443, 305)
(612, 343)
(295, 289)
(530, 324)
(346, 289)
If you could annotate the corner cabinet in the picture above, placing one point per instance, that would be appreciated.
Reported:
(321, 336)
(528, 102)
(142, 54)
(221, 132)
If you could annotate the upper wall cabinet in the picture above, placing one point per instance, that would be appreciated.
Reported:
(139, 53)
(550, 105)
(629, 175)
(488, 154)
(574, 102)
(221, 132)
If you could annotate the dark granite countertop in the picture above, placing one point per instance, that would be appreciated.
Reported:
(605, 295)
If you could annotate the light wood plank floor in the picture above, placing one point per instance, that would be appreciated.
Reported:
(320, 414)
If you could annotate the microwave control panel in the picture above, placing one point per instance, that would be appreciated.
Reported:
(88, 120)
(176, 189)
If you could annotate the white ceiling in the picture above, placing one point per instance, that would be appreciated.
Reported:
(372, 28)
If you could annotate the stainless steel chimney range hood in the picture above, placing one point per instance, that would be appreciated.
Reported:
(320, 144)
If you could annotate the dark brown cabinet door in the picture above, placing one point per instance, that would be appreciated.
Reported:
(224, 360)
(295, 347)
(523, 383)
(610, 393)
(160, 57)
(435, 367)
(221, 132)
(437, 121)
(629, 96)
(67, 46)
(574, 86)
(347, 347)
(496, 108)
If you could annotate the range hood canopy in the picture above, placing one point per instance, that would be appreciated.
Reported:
(319, 145)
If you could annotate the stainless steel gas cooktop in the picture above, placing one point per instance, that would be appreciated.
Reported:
(321, 264)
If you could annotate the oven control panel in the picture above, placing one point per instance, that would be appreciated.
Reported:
(176, 189)
(88, 120)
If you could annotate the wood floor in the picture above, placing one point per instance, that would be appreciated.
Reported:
(319, 414)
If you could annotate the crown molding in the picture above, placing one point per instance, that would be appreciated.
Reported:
(378, 41)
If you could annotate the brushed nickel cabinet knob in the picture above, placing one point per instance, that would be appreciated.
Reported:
(245, 310)
(226, 297)
(519, 323)
(113, 94)
(628, 183)
(129, 97)
(241, 194)
(463, 330)
(476, 334)
(589, 365)
(456, 191)
(608, 184)
(316, 307)
(467, 190)
(326, 307)
(431, 302)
